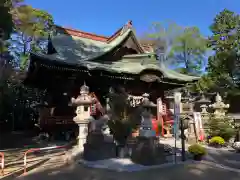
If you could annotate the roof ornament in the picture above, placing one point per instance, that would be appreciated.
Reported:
(84, 89)
(127, 26)
(129, 23)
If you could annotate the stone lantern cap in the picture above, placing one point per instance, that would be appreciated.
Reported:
(203, 100)
(40, 104)
(146, 102)
(84, 98)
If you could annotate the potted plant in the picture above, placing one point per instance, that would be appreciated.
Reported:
(197, 151)
(217, 142)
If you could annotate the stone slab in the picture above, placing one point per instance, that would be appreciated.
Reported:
(126, 165)
(123, 165)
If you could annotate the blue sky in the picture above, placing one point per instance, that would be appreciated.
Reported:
(106, 16)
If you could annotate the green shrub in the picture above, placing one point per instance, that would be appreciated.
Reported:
(217, 140)
(197, 149)
(220, 127)
(160, 129)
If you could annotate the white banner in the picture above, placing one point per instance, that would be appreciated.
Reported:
(177, 111)
(160, 106)
(198, 123)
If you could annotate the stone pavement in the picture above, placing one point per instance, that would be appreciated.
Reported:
(223, 156)
(57, 169)
(180, 172)
(52, 164)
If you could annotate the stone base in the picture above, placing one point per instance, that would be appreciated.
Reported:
(147, 152)
(191, 140)
(96, 148)
(168, 135)
(95, 139)
(74, 154)
(105, 151)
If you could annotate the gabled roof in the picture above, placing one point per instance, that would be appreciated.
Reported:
(73, 46)
(103, 39)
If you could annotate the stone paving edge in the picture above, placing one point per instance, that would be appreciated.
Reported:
(166, 165)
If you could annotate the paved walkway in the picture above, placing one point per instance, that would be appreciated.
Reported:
(56, 170)
(178, 172)
(223, 156)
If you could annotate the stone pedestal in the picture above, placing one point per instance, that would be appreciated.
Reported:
(82, 136)
(108, 137)
(168, 132)
(96, 148)
(191, 137)
(78, 150)
(146, 152)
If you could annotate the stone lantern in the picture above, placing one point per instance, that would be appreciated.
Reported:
(146, 150)
(204, 103)
(83, 114)
(146, 122)
(219, 107)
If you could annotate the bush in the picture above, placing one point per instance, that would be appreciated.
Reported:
(217, 140)
(197, 149)
(220, 127)
(160, 129)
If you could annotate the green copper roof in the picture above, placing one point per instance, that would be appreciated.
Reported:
(80, 51)
(132, 64)
(72, 49)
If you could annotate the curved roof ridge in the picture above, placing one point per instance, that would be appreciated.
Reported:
(79, 33)
(121, 30)
(171, 72)
(106, 39)
(118, 41)
(93, 36)
(138, 43)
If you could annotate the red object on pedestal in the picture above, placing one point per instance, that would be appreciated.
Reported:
(155, 126)
(201, 135)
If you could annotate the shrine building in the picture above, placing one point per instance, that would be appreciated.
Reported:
(120, 61)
